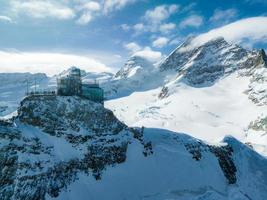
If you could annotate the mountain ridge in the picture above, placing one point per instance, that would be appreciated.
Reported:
(52, 148)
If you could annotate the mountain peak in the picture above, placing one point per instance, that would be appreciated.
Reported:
(202, 65)
(133, 65)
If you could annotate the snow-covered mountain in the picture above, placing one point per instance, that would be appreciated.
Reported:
(208, 91)
(71, 148)
(138, 74)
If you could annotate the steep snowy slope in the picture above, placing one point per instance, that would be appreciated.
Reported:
(71, 148)
(210, 91)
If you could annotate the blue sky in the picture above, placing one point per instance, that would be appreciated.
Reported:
(50, 35)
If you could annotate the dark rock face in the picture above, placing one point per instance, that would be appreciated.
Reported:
(259, 124)
(56, 115)
(263, 56)
(164, 92)
(203, 74)
(223, 154)
(203, 65)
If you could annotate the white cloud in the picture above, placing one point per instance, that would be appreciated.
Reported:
(50, 63)
(42, 9)
(165, 28)
(89, 10)
(160, 13)
(176, 41)
(160, 42)
(155, 19)
(149, 54)
(5, 19)
(133, 47)
(90, 6)
(125, 27)
(85, 18)
(252, 30)
(192, 21)
(139, 27)
(224, 15)
(84, 10)
(112, 5)
(145, 52)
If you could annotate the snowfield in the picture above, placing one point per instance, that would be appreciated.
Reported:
(211, 91)
(208, 113)
(170, 174)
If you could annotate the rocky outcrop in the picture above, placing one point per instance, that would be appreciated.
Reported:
(259, 124)
(223, 154)
(30, 165)
(59, 115)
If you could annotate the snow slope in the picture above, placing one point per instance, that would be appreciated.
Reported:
(170, 173)
(194, 95)
(52, 150)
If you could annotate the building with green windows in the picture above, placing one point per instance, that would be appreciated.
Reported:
(72, 85)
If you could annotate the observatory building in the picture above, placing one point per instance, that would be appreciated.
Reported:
(72, 85)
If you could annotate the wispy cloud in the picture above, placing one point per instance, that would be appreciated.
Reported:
(50, 63)
(132, 47)
(112, 5)
(83, 11)
(160, 13)
(146, 52)
(166, 28)
(89, 10)
(192, 21)
(155, 20)
(251, 30)
(160, 42)
(223, 15)
(149, 54)
(5, 19)
(42, 9)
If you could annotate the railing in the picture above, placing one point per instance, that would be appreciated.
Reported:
(41, 93)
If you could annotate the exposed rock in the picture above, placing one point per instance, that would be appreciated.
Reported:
(223, 154)
(259, 125)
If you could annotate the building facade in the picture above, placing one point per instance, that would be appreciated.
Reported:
(71, 85)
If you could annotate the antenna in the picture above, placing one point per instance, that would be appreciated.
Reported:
(34, 84)
(27, 92)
